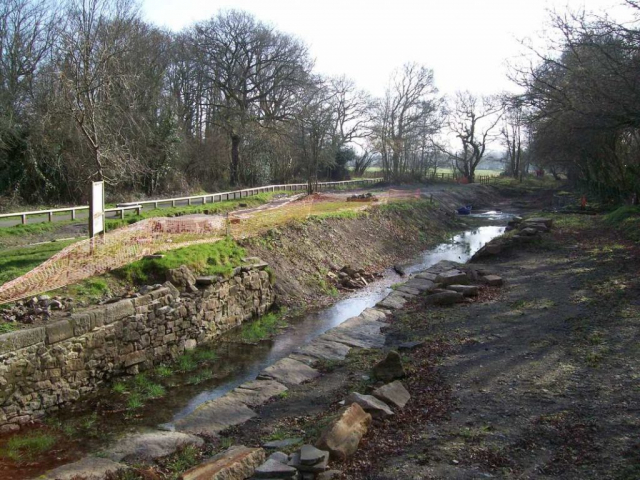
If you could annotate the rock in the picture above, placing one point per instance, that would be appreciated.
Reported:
(410, 345)
(409, 290)
(287, 442)
(393, 393)
(181, 277)
(444, 298)
(545, 221)
(290, 372)
(493, 280)
(400, 270)
(370, 404)
(149, 446)
(420, 284)
(492, 248)
(257, 392)
(362, 331)
(310, 455)
(427, 276)
(325, 350)
(236, 463)
(320, 466)
(392, 302)
(279, 457)
(214, 416)
(207, 280)
(452, 277)
(190, 344)
(56, 305)
(89, 468)
(528, 231)
(390, 368)
(274, 469)
(342, 437)
(465, 290)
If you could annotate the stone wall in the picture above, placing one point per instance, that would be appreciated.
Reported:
(43, 368)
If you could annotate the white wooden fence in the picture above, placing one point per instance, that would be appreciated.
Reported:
(121, 208)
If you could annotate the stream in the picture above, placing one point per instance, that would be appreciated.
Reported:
(303, 330)
(92, 422)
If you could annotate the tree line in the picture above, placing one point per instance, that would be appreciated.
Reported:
(581, 106)
(90, 91)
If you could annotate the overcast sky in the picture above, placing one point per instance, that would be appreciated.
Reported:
(466, 42)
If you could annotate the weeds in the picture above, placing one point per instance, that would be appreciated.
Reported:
(28, 446)
(261, 328)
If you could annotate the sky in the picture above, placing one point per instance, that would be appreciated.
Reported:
(468, 43)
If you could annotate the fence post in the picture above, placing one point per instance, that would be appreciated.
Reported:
(73, 214)
(24, 219)
(122, 213)
(50, 216)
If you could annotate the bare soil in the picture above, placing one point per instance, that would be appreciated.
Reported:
(536, 379)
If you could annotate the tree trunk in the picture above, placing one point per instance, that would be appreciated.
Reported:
(235, 159)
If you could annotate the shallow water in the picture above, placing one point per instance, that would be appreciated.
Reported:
(303, 330)
(237, 362)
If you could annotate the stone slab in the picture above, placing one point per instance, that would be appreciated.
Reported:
(89, 468)
(452, 277)
(290, 372)
(420, 284)
(493, 280)
(409, 290)
(326, 350)
(357, 332)
(465, 290)
(444, 298)
(149, 445)
(427, 276)
(392, 302)
(257, 392)
(274, 469)
(370, 404)
(214, 416)
(393, 393)
(236, 463)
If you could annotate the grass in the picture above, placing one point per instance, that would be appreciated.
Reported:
(32, 229)
(262, 328)
(625, 219)
(217, 258)
(209, 208)
(8, 327)
(18, 261)
(28, 446)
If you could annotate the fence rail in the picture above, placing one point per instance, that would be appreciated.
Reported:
(121, 208)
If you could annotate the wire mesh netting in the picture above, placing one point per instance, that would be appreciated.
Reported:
(91, 257)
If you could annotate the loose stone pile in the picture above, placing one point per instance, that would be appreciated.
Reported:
(445, 283)
(527, 229)
(348, 278)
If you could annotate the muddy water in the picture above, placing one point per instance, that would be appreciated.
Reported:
(237, 362)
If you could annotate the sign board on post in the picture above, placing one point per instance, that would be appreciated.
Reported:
(96, 209)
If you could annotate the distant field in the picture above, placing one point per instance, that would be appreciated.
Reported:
(479, 172)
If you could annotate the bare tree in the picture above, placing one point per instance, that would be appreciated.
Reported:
(410, 104)
(515, 134)
(92, 45)
(473, 121)
(257, 70)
